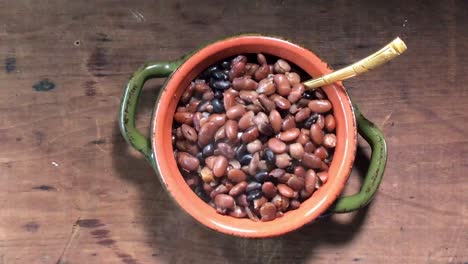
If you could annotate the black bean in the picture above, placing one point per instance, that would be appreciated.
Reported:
(207, 73)
(208, 150)
(309, 94)
(262, 176)
(226, 65)
(201, 193)
(252, 186)
(218, 106)
(254, 195)
(219, 75)
(270, 156)
(220, 85)
(200, 158)
(218, 94)
(241, 151)
(311, 120)
(245, 160)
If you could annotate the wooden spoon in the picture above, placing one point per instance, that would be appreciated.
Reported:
(387, 53)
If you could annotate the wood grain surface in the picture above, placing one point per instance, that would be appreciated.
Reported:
(72, 191)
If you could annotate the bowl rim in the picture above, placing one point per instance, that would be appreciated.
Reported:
(172, 179)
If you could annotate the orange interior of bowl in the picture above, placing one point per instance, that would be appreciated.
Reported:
(162, 144)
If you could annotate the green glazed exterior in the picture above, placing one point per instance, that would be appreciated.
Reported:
(137, 140)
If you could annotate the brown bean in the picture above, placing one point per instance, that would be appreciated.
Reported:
(329, 140)
(209, 161)
(288, 123)
(229, 99)
(220, 134)
(238, 212)
(275, 121)
(285, 190)
(226, 150)
(277, 173)
(282, 103)
(294, 204)
(302, 139)
(207, 187)
(188, 93)
(207, 96)
(253, 165)
(266, 86)
(184, 118)
(268, 212)
(257, 203)
(296, 93)
(316, 134)
(283, 160)
(219, 166)
(231, 128)
(320, 121)
(250, 134)
(250, 69)
(206, 174)
(321, 152)
(246, 121)
(296, 183)
(187, 161)
(309, 147)
(281, 66)
(267, 104)
(206, 134)
(323, 176)
(261, 59)
(224, 201)
(310, 180)
(248, 96)
(237, 70)
(311, 161)
(296, 150)
(320, 94)
(236, 175)
(320, 105)
(254, 146)
(189, 133)
(330, 123)
(294, 109)
(262, 72)
(256, 108)
(277, 146)
(196, 120)
(302, 115)
(218, 119)
(244, 83)
(283, 87)
(269, 189)
(299, 171)
(239, 58)
(220, 189)
(281, 202)
(192, 106)
(290, 134)
(238, 188)
(293, 78)
(201, 86)
(235, 112)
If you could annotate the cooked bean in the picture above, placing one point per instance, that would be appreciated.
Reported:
(206, 133)
(231, 129)
(323, 176)
(281, 202)
(238, 212)
(311, 161)
(224, 201)
(320, 121)
(262, 72)
(248, 96)
(206, 174)
(257, 203)
(275, 120)
(329, 140)
(246, 120)
(296, 150)
(238, 69)
(299, 171)
(187, 161)
(266, 86)
(254, 195)
(320, 105)
(309, 147)
(283, 87)
(302, 115)
(267, 104)
(261, 176)
(189, 133)
(250, 134)
(219, 166)
(321, 152)
(282, 103)
(285, 190)
(184, 118)
(226, 150)
(302, 138)
(254, 146)
(220, 134)
(290, 134)
(270, 156)
(281, 66)
(250, 69)
(236, 175)
(277, 146)
(293, 78)
(268, 212)
(283, 160)
(220, 189)
(238, 188)
(294, 204)
(261, 59)
(296, 183)
(316, 134)
(288, 123)
(253, 165)
(235, 112)
(269, 189)
(218, 119)
(320, 94)
(310, 180)
(296, 93)
(330, 123)
(242, 200)
(252, 186)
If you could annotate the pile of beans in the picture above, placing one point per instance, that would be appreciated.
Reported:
(250, 141)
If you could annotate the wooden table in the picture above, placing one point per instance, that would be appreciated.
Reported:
(71, 190)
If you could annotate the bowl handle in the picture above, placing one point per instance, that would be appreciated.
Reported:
(130, 101)
(372, 180)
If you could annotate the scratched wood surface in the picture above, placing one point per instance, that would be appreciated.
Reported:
(71, 191)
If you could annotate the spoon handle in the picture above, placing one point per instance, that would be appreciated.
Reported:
(387, 53)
